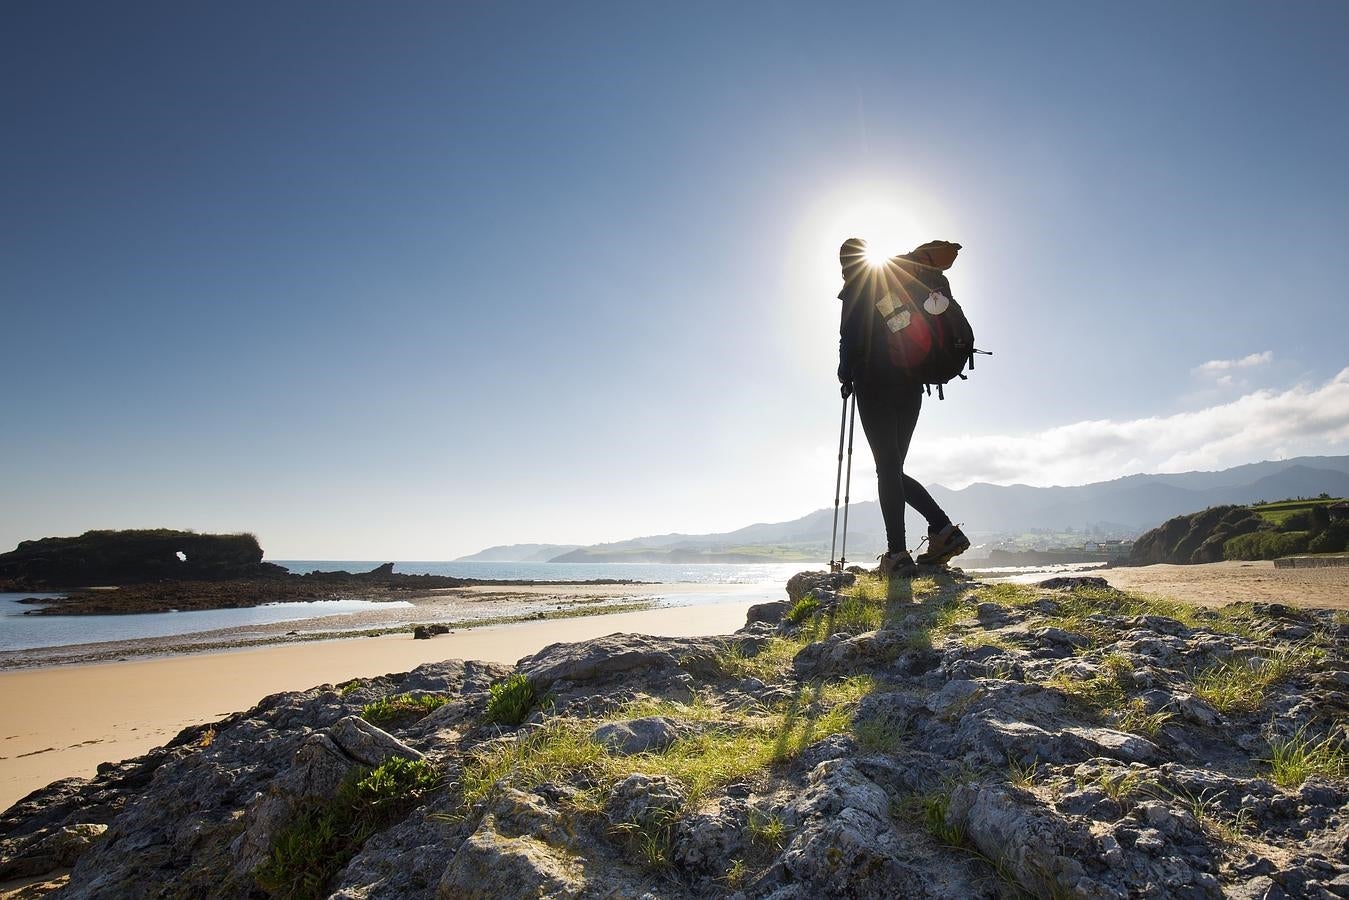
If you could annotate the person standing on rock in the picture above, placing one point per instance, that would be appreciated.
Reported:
(887, 398)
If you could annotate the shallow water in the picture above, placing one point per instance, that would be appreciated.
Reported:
(21, 632)
(753, 582)
(1032, 574)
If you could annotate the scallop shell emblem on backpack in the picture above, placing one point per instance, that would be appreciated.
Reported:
(936, 303)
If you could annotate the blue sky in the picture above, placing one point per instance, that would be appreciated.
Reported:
(405, 280)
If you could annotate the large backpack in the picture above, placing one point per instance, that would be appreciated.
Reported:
(926, 332)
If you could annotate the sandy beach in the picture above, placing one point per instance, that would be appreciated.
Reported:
(63, 721)
(1214, 584)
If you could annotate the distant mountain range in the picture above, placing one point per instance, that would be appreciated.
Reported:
(1123, 507)
(533, 553)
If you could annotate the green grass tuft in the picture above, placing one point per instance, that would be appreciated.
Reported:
(1136, 718)
(1022, 776)
(510, 701)
(772, 661)
(878, 736)
(1208, 811)
(1294, 758)
(396, 780)
(1105, 691)
(929, 811)
(323, 838)
(767, 830)
(803, 609)
(1121, 786)
(401, 708)
(737, 875)
(651, 840)
(1240, 686)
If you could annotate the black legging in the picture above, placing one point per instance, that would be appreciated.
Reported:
(889, 414)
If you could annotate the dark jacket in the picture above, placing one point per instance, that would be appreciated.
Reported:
(863, 354)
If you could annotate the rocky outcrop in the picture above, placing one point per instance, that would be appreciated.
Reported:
(133, 557)
(160, 570)
(933, 739)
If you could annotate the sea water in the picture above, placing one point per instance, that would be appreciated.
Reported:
(23, 632)
(753, 582)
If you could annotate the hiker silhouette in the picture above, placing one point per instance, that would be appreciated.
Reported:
(872, 365)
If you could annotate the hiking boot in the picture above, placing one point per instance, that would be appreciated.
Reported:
(943, 545)
(897, 564)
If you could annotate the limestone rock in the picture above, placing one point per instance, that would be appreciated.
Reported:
(322, 763)
(489, 866)
(367, 744)
(1044, 853)
(1117, 744)
(644, 799)
(803, 583)
(771, 612)
(637, 735)
(614, 655)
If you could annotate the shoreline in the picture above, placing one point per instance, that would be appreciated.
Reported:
(181, 596)
(63, 721)
(458, 608)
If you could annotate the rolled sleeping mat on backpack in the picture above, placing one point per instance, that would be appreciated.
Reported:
(937, 254)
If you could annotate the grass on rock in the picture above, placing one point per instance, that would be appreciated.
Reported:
(1295, 758)
(510, 701)
(929, 811)
(723, 745)
(767, 830)
(1207, 810)
(803, 609)
(650, 840)
(401, 708)
(1136, 718)
(1234, 686)
(1073, 610)
(323, 838)
(878, 736)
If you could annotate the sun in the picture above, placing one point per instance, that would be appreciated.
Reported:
(875, 256)
(891, 214)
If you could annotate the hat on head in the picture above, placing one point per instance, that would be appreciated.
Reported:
(852, 252)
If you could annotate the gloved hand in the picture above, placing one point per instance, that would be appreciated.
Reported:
(846, 389)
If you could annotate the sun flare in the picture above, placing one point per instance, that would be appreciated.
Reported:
(875, 256)
(889, 213)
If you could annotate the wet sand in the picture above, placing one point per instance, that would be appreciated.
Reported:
(1214, 584)
(63, 721)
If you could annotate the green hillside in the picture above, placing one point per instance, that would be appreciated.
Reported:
(1257, 531)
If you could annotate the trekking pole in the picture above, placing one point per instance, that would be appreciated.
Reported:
(838, 482)
(847, 486)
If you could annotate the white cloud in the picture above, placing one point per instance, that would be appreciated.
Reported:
(1214, 366)
(1305, 419)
